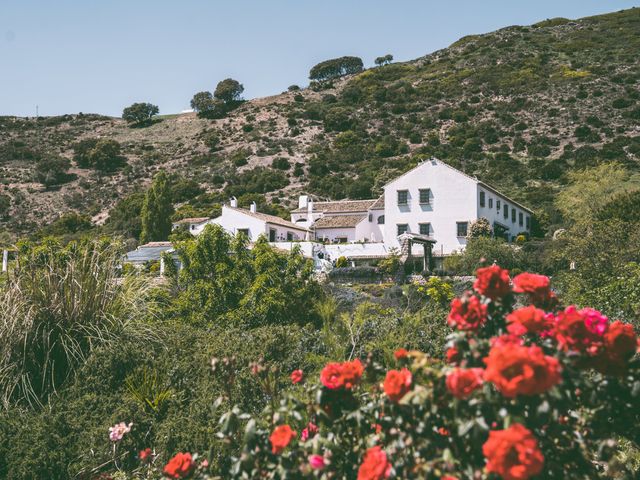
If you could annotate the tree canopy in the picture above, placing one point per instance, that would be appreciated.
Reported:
(157, 209)
(52, 170)
(140, 113)
(384, 60)
(335, 68)
(228, 91)
(102, 154)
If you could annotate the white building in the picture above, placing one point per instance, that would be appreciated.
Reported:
(253, 224)
(432, 204)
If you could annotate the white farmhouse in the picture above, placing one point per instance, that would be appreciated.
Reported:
(253, 224)
(431, 206)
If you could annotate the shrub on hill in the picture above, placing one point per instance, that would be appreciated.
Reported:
(335, 68)
(101, 154)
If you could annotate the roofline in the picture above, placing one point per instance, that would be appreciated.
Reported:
(475, 179)
(288, 224)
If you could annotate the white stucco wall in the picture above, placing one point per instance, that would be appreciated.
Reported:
(494, 215)
(453, 199)
(332, 233)
(233, 220)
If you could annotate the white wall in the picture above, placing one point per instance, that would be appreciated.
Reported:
(233, 220)
(453, 199)
(332, 233)
(494, 215)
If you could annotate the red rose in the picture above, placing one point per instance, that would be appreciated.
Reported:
(400, 353)
(506, 339)
(538, 287)
(580, 330)
(397, 383)
(179, 466)
(467, 313)
(297, 376)
(448, 477)
(145, 455)
(342, 375)
(527, 320)
(453, 355)
(513, 453)
(492, 282)
(519, 370)
(308, 432)
(375, 465)
(463, 382)
(280, 438)
(620, 344)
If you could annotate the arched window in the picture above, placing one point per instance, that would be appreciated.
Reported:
(381, 220)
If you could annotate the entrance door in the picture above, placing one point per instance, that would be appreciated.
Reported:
(272, 234)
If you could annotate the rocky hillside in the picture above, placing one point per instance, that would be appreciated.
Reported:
(520, 108)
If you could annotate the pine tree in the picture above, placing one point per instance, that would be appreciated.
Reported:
(157, 210)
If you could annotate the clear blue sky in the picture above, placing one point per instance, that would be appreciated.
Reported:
(71, 56)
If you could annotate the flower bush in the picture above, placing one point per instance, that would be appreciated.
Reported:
(525, 389)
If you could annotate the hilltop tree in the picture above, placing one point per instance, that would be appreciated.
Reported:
(157, 210)
(335, 68)
(228, 91)
(140, 113)
(385, 60)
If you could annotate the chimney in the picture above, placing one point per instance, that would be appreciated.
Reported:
(303, 200)
(253, 208)
(233, 202)
(310, 207)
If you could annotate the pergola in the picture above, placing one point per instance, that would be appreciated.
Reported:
(406, 246)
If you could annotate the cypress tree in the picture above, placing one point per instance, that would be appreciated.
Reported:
(157, 210)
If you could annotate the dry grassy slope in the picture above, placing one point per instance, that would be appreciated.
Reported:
(502, 106)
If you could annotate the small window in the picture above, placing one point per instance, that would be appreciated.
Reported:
(341, 240)
(245, 232)
(371, 217)
(482, 199)
(381, 220)
(498, 205)
(462, 228)
(403, 197)
(425, 196)
(402, 228)
(289, 236)
(520, 218)
(506, 211)
(513, 215)
(193, 227)
(425, 228)
(272, 234)
(490, 202)
(528, 221)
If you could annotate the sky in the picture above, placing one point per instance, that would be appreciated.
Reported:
(99, 56)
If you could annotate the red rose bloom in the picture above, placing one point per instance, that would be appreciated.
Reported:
(620, 344)
(297, 376)
(179, 466)
(519, 370)
(375, 465)
(506, 339)
(467, 313)
(513, 453)
(397, 383)
(453, 355)
(342, 375)
(463, 382)
(527, 320)
(492, 282)
(145, 455)
(280, 438)
(400, 353)
(580, 330)
(536, 286)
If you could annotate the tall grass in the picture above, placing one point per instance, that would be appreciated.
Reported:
(62, 303)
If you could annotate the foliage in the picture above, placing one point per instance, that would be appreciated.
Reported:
(67, 225)
(390, 264)
(480, 228)
(437, 289)
(124, 217)
(51, 171)
(140, 113)
(341, 262)
(384, 60)
(206, 105)
(157, 210)
(335, 68)
(481, 251)
(61, 304)
(99, 153)
(228, 91)
(223, 282)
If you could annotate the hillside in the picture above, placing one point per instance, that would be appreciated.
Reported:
(519, 108)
